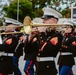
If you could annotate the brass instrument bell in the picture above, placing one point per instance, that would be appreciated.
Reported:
(27, 27)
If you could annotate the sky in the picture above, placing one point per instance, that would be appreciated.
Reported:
(6, 1)
(3, 1)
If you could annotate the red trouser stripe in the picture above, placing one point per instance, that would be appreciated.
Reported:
(27, 71)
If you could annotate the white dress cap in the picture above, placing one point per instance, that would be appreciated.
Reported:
(51, 12)
(13, 21)
(68, 23)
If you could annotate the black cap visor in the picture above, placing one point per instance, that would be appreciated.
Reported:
(48, 16)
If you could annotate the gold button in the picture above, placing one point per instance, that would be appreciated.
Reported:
(1, 58)
(48, 39)
(38, 54)
(39, 34)
(37, 42)
(41, 37)
(60, 49)
(38, 59)
(47, 66)
(42, 41)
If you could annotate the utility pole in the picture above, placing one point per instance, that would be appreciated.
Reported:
(18, 10)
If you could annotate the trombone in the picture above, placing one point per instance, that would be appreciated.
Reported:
(28, 25)
(28, 28)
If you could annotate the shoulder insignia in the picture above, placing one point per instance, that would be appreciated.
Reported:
(9, 41)
(54, 40)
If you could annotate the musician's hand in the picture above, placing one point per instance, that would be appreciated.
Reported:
(42, 29)
(34, 39)
(23, 38)
(33, 33)
(74, 43)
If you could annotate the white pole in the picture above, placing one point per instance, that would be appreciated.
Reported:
(18, 11)
(72, 12)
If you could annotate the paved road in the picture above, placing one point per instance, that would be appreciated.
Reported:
(21, 65)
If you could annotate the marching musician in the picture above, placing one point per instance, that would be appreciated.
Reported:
(31, 49)
(50, 42)
(18, 51)
(17, 54)
(66, 58)
(8, 53)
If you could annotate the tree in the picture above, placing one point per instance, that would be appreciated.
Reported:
(25, 8)
(55, 4)
(34, 8)
(1, 23)
(66, 13)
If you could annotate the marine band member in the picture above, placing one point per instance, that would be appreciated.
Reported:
(51, 44)
(66, 58)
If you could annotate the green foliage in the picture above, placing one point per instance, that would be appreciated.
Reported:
(1, 23)
(39, 12)
(33, 8)
(66, 13)
(75, 25)
(25, 8)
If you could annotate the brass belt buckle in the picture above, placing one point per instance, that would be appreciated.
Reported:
(38, 59)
